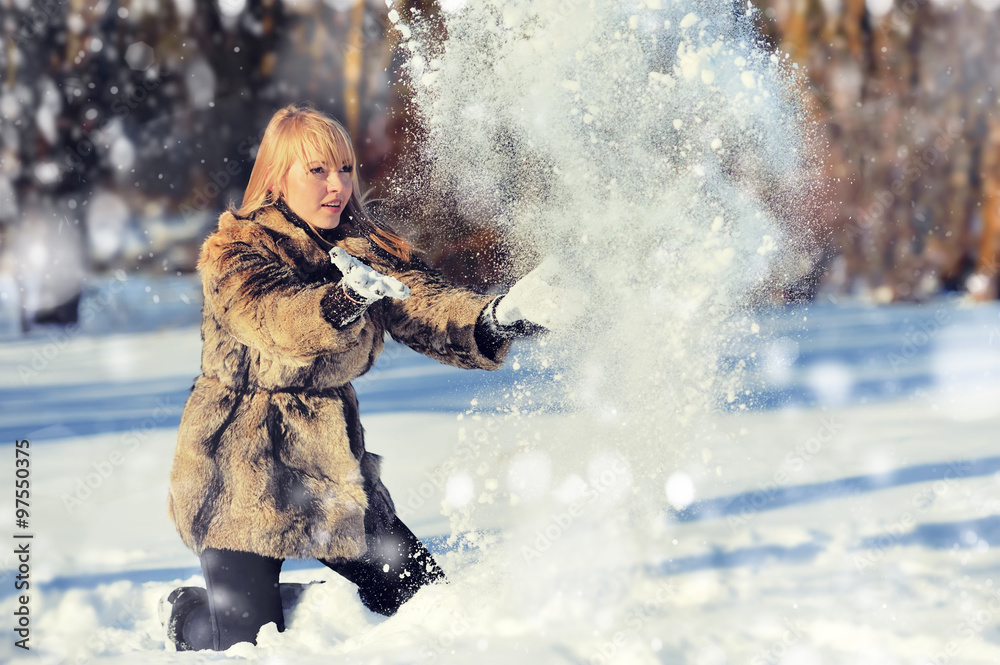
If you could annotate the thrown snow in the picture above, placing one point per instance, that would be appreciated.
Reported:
(625, 141)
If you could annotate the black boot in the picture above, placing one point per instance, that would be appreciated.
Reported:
(185, 615)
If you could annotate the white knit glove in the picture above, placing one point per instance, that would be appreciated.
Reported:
(365, 283)
(535, 300)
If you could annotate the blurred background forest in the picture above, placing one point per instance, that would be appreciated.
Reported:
(126, 126)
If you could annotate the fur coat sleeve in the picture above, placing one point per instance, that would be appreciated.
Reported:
(439, 319)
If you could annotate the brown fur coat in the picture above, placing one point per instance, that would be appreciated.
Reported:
(270, 454)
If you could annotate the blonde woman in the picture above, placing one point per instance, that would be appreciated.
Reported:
(301, 284)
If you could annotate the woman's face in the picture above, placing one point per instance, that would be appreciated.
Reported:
(317, 192)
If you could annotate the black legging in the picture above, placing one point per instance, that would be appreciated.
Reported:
(243, 591)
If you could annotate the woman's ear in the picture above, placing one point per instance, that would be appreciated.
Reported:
(275, 189)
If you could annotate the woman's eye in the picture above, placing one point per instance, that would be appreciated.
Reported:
(317, 169)
(346, 168)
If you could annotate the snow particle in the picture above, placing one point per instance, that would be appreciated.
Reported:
(459, 489)
(680, 490)
(231, 8)
(139, 56)
(767, 245)
(831, 382)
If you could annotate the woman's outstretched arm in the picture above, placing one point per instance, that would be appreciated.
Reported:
(439, 320)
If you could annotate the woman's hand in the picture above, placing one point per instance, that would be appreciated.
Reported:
(535, 300)
(364, 284)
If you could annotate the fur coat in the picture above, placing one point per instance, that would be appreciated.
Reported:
(270, 455)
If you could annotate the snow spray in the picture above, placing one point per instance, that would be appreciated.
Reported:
(655, 148)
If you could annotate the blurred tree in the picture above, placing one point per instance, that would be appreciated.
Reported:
(136, 121)
(904, 92)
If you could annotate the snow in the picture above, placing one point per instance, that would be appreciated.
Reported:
(368, 283)
(878, 8)
(680, 490)
(231, 8)
(201, 83)
(107, 225)
(857, 530)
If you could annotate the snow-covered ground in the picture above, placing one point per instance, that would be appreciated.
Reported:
(851, 515)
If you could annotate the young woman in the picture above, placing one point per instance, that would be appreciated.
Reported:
(301, 284)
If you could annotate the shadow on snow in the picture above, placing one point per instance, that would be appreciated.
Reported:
(742, 507)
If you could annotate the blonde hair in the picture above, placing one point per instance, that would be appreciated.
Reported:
(291, 135)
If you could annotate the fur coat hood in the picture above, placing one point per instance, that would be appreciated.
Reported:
(270, 455)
